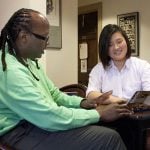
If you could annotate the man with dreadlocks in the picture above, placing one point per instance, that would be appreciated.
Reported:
(34, 114)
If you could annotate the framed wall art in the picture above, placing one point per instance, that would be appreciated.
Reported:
(130, 24)
(53, 13)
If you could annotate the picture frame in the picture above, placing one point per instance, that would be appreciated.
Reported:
(130, 24)
(53, 13)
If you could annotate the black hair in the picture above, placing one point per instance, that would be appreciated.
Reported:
(20, 20)
(104, 41)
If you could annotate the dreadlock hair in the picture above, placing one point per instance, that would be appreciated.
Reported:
(20, 20)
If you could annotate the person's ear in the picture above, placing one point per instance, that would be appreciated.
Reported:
(23, 36)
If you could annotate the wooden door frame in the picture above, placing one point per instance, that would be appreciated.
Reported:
(96, 7)
(90, 8)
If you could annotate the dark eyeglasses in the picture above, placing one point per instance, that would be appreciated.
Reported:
(40, 37)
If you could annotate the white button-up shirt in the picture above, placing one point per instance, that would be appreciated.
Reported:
(134, 76)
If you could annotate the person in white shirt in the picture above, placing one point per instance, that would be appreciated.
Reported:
(118, 71)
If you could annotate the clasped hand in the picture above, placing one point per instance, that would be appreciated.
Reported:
(108, 110)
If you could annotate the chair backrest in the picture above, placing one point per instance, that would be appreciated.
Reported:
(5, 147)
(75, 89)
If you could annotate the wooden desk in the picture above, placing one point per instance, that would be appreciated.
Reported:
(135, 131)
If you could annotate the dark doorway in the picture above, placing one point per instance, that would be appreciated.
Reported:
(87, 35)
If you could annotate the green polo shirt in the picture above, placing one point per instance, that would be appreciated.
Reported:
(22, 97)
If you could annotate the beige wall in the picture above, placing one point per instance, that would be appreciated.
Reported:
(87, 2)
(14, 5)
(60, 65)
(112, 8)
(7, 8)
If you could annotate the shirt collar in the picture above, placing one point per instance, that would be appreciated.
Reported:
(126, 65)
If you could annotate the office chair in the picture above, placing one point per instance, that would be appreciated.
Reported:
(75, 89)
(5, 147)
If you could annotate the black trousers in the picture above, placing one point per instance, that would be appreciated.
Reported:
(26, 136)
(126, 131)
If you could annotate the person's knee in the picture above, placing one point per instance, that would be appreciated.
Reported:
(103, 131)
(113, 133)
(107, 137)
(114, 139)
